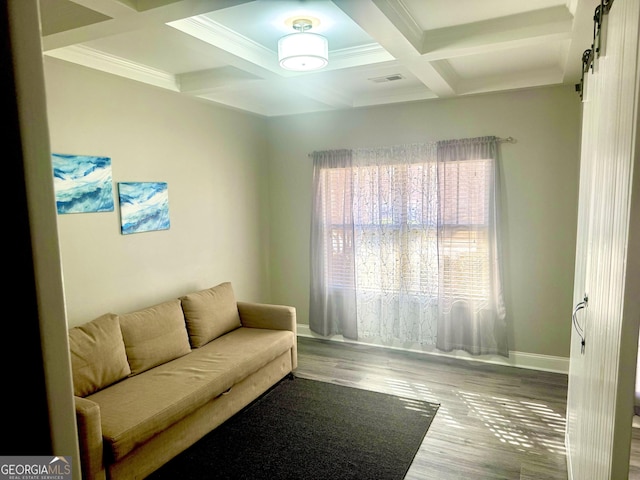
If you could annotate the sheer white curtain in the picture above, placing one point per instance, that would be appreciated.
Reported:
(404, 245)
(332, 302)
(395, 231)
(471, 314)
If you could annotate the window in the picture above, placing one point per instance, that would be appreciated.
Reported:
(464, 211)
(383, 223)
(404, 245)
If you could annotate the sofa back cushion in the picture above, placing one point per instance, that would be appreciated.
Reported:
(154, 335)
(210, 313)
(98, 357)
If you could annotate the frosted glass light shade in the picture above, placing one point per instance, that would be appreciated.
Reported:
(303, 51)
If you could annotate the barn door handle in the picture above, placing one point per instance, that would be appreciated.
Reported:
(576, 324)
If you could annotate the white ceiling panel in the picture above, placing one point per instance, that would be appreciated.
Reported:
(380, 51)
(433, 14)
(265, 21)
(160, 47)
(265, 98)
(508, 61)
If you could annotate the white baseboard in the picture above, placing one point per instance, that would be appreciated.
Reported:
(532, 361)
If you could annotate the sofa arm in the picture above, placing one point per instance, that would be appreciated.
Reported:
(275, 317)
(90, 439)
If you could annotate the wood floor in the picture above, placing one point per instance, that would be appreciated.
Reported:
(494, 422)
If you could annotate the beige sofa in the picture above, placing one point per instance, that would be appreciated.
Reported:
(150, 383)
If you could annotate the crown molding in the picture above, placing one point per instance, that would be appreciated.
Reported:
(95, 59)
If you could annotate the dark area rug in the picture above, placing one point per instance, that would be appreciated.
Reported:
(304, 429)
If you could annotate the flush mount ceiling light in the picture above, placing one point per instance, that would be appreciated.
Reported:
(302, 50)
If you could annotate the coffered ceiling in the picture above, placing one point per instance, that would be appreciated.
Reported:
(380, 51)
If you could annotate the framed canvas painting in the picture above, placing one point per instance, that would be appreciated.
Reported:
(82, 183)
(144, 206)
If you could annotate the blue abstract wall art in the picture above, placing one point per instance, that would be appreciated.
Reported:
(82, 183)
(144, 206)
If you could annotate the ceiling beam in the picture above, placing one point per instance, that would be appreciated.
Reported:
(438, 75)
(110, 8)
(239, 50)
(206, 81)
(97, 60)
(391, 25)
(361, 55)
(379, 27)
(402, 20)
(413, 95)
(314, 90)
(514, 81)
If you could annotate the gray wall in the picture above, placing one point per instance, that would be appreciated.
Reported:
(240, 193)
(539, 182)
(214, 161)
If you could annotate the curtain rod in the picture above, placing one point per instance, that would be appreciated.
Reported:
(499, 139)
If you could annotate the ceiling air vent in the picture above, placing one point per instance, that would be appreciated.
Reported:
(388, 78)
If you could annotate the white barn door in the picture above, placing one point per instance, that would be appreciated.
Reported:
(607, 270)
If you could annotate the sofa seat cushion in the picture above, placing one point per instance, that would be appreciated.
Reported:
(135, 409)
